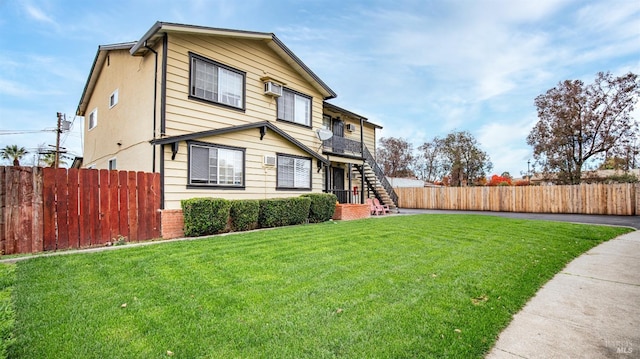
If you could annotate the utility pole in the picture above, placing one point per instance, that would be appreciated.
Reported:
(58, 132)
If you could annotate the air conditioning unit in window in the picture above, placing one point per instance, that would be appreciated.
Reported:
(269, 160)
(351, 127)
(272, 89)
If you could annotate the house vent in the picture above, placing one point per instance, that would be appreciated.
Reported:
(351, 127)
(272, 89)
(269, 160)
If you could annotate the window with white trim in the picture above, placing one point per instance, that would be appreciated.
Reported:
(214, 82)
(113, 99)
(212, 165)
(93, 118)
(294, 172)
(294, 107)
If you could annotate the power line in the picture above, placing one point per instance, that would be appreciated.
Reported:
(22, 132)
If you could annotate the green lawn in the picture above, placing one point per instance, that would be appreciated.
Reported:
(395, 287)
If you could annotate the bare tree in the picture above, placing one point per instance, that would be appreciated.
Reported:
(579, 122)
(396, 157)
(432, 157)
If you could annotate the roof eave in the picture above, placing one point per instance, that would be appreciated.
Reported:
(98, 61)
(160, 28)
(282, 49)
(220, 131)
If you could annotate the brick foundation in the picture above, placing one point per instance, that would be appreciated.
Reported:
(172, 223)
(347, 212)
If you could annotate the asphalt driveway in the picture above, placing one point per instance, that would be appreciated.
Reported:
(626, 221)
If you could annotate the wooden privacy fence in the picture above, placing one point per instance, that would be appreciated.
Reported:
(46, 209)
(612, 199)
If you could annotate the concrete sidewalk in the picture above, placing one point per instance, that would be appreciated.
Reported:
(591, 309)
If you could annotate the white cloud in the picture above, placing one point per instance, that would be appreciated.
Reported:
(37, 14)
(15, 89)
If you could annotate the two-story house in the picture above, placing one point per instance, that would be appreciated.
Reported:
(224, 113)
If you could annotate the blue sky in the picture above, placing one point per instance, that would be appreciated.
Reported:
(418, 68)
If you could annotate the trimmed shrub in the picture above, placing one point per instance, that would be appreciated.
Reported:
(323, 206)
(204, 216)
(283, 211)
(244, 214)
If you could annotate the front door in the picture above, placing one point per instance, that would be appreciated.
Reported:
(338, 185)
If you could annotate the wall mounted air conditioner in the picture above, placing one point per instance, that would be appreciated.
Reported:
(269, 160)
(272, 89)
(351, 127)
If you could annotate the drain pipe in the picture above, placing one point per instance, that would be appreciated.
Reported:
(155, 99)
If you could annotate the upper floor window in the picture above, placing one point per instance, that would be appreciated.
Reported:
(294, 172)
(93, 118)
(214, 165)
(294, 107)
(212, 81)
(113, 99)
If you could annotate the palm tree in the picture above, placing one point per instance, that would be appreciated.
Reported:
(14, 153)
(49, 160)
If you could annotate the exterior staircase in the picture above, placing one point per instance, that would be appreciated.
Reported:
(376, 181)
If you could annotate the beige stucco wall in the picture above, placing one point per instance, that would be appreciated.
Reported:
(185, 115)
(129, 122)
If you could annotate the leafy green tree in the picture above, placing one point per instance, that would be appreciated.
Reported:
(579, 122)
(13, 153)
(463, 159)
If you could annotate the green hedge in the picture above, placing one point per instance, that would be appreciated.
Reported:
(204, 216)
(244, 215)
(323, 206)
(283, 211)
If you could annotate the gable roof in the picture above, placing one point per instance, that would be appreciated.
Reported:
(263, 126)
(98, 61)
(157, 31)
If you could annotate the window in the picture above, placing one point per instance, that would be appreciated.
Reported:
(113, 99)
(326, 122)
(294, 172)
(214, 82)
(215, 165)
(112, 164)
(294, 107)
(93, 118)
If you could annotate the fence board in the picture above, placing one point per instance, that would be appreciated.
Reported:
(133, 206)
(154, 195)
(142, 205)
(103, 204)
(123, 203)
(49, 213)
(84, 203)
(62, 208)
(114, 215)
(74, 214)
(25, 220)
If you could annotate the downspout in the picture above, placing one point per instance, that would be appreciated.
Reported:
(155, 103)
(363, 159)
(163, 111)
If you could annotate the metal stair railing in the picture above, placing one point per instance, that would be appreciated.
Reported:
(380, 175)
